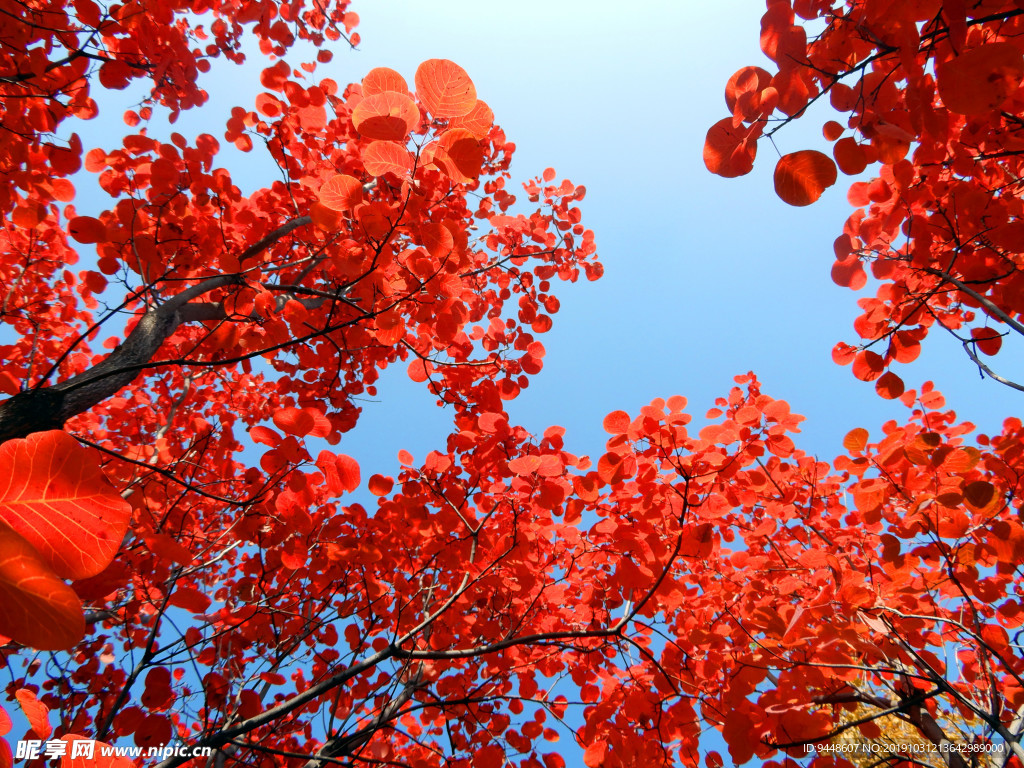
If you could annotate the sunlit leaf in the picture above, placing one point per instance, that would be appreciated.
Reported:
(341, 192)
(801, 177)
(445, 88)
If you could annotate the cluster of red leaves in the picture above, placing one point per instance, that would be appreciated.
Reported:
(933, 92)
(680, 580)
(392, 237)
(51, 52)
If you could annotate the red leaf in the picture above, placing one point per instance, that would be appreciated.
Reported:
(87, 230)
(987, 340)
(729, 150)
(154, 731)
(341, 192)
(326, 218)
(743, 91)
(890, 386)
(36, 608)
(801, 177)
(265, 435)
(980, 79)
(388, 116)
(380, 157)
(832, 130)
(445, 88)
(477, 121)
(868, 365)
(380, 79)
(56, 496)
(380, 485)
(190, 599)
(616, 423)
(348, 471)
(980, 495)
(419, 370)
(459, 155)
(294, 421)
(850, 156)
(37, 713)
(698, 541)
(390, 327)
(849, 273)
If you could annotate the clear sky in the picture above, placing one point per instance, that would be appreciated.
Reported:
(705, 277)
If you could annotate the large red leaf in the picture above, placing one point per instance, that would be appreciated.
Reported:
(729, 150)
(36, 608)
(801, 177)
(380, 157)
(54, 494)
(380, 79)
(445, 88)
(459, 154)
(477, 121)
(341, 192)
(37, 713)
(388, 116)
(981, 78)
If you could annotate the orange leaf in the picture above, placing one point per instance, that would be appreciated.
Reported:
(477, 121)
(326, 218)
(341, 192)
(980, 79)
(380, 79)
(388, 116)
(445, 88)
(36, 607)
(57, 497)
(801, 177)
(459, 154)
(37, 713)
(380, 157)
(855, 440)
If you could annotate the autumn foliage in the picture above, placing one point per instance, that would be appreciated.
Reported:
(178, 523)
